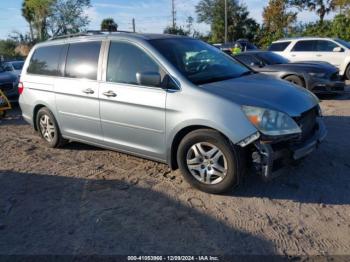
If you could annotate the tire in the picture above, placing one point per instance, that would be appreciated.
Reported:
(48, 128)
(201, 170)
(295, 80)
(2, 114)
(347, 73)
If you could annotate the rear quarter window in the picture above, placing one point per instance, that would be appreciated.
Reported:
(45, 61)
(279, 47)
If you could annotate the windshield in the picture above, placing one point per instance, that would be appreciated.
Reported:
(342, 42)
(270, 58)
(199, 62)
(17, 65)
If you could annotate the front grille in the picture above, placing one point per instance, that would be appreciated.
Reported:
(307, 123)
(6, 86)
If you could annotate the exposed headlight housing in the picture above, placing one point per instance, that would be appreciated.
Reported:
(318, 75)
(270, 122)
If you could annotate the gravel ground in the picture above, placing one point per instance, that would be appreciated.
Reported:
(84, 200)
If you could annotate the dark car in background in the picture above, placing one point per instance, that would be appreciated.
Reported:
(243, 44)
(14, 67)
(317, 77)
(8, 82)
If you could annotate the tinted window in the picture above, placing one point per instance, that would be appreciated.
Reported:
(325, 46)
(248, 60)
(279, 47)
(126, 60)
(270, 58)
(45, 61)
(17, 65)
(342, 42)
(82, 60)
(305, 46)
(199, 62)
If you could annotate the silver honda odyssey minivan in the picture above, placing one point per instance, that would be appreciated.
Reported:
(171, 99)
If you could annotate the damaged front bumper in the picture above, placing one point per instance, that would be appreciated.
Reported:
(269, 155)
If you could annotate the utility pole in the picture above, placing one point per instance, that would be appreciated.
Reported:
(173, 12)
(133, 25)
(225, 21)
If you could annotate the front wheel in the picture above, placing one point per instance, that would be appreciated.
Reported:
(347, 73)
(295, 80)
(209, 162)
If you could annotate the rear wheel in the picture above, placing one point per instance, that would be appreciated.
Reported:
(48, 128)
(295, 80)
(347, 73)
(2, 113)
(208, 161)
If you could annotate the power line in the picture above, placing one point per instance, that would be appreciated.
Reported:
(173, 12)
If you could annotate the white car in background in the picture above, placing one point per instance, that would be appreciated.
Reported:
(332, 50)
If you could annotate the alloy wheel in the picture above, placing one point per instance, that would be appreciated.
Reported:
(47, 128)
(206, 163)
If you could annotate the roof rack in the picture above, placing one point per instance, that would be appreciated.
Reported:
(88, 33)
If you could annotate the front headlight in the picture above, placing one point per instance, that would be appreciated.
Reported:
(318, 75)
(270, 122)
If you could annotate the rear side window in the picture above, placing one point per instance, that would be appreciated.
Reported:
(82, 60)
(279, 47)
(45, 61)
(126, 60)
(305, 46)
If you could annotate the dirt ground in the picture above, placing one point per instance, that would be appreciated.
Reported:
(84, 200)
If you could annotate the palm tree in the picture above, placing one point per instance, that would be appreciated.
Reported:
(109, 25)
(29, 17)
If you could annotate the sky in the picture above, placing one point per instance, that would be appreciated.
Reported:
(150, 15)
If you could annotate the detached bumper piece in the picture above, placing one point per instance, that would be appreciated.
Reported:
(270, 157)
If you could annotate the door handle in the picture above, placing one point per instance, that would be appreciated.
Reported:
(110, 94)
(293, 55)
(88, 91)
(318, 55)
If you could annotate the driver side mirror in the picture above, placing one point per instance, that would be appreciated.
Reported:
(338, 49)
(148, 79)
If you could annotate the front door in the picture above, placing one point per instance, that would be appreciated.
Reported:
(303, 50)
(132, 113)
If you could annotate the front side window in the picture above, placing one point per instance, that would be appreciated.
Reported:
(199, 62)
(325, 46)
(278, 47)
(82, 60)
(305, 46)
(126, 60)
(342, 42)
(45, 61)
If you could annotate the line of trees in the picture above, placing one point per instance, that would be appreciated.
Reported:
(279, 20)
(50, 18)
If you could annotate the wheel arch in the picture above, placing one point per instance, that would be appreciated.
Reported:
(36, 109)
(297, 75)
(172, 161)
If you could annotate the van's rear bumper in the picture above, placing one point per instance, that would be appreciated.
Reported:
(270, 157)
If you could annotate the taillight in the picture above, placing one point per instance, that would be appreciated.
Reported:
(20, 88)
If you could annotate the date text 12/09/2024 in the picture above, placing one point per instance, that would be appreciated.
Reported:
(173, 258)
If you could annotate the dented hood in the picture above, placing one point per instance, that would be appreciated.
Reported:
(263, 91)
